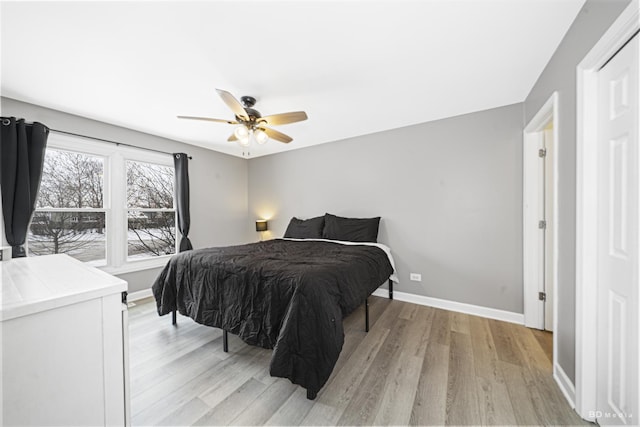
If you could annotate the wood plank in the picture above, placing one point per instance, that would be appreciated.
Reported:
(460, 323)
(184, 342)
(545, 339)
(533, 355)
(554, 402)
(526, 410)
(146, 397)
(363, 406)
(261, 409)
(293, 411)
(186, 414)
(233, 377)
(462, 403)
(142, 381)
(166, 397)
(441, 327)
(494, 403)
(506, 347)
(408, 311)
(485, 356)
(404, 374)
(377, 306)
(336, 395)
(399, 392)
(390, 314)
(233, 405)
(429, 405)
(425, 316)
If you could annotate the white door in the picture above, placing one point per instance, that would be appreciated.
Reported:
(548, 232)
(618, 220)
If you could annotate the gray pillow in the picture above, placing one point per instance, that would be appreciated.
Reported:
(305, 229)
(351, 229)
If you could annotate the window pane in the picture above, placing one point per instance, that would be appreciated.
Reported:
(149, 185)
(151, 234)
(71, 180)
(81, 235)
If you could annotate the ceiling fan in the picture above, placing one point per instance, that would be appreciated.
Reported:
(251, 122)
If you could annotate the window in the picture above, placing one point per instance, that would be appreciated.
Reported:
(70, 214)
(151, 219)
(108, 205)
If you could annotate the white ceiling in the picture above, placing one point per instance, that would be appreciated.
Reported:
(355, 67)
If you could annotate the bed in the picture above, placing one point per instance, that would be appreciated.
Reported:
(289, 295)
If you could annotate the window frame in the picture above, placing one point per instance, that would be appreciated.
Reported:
(115, 197)
(129, 208)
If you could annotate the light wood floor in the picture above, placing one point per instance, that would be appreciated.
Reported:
(416, 366)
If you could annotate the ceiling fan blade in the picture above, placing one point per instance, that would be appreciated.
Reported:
(284, 118)
(233, 103)
(209, 119)
(278, 136)
(232, 138)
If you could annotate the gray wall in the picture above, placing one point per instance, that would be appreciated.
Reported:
(449, 193)
(560, 75)
(218, 181)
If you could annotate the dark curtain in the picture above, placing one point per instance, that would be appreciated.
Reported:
(22, 149)
(181, 163)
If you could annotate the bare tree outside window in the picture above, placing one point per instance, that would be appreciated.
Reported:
(151, 216)
(70, 215)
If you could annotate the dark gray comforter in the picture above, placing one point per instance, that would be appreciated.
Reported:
(287, 295)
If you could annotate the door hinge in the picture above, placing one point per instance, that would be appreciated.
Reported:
(542, 296)
(542, 152)
(542, 224)
(124, 297)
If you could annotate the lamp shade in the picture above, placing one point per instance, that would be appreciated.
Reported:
(261, 225)
(243, 135)
(260, 136)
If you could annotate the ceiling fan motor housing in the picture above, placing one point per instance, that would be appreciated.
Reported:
(248, 102)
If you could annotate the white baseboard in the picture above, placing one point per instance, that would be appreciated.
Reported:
(565, 384)
(138, 295)
(476, 310)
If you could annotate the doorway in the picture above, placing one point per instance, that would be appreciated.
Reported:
(540, 226)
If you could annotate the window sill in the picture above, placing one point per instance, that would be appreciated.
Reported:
(138, 265)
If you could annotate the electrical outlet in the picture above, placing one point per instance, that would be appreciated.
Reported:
(415, 277)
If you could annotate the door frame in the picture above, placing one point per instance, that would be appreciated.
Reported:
(627, 24)
(533, 266)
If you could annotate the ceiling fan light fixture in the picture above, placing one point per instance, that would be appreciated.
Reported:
(245, 142)
(241, 132)
(260, 136)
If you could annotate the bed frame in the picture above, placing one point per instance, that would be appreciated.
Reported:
(225, 334)
(225, 340)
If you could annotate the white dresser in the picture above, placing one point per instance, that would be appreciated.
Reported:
(64, 344)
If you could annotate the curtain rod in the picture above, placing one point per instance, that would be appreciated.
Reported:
(112, 142)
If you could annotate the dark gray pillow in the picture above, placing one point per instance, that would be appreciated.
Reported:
(305, 229)
(351, 229)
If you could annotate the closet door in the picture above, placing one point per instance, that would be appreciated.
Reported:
(618, 255)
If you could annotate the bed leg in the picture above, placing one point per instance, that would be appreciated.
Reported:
(390, 289)
(311, 395)
(366, 315)
(174, 318)
(225, 341)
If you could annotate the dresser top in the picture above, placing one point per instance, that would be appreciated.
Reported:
(34, 284)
